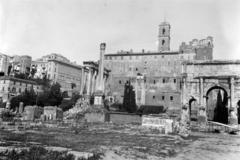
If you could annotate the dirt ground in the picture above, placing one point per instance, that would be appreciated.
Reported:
(129, 142)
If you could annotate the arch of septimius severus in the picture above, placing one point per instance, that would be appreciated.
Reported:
(199, 79)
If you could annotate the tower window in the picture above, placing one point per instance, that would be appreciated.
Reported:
(163, 97)
(171, 98)
(163, 31)
(163, 42)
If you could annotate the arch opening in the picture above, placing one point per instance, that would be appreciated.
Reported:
(193, 109)
(217, 100)
(238, 111)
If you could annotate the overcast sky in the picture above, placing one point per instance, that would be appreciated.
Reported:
(75, 28)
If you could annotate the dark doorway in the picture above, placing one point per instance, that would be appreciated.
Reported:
(238, 111)
(192, 109)
(217, 100)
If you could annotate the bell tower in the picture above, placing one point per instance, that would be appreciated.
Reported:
(164, 37)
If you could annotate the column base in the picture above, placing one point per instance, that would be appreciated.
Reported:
(202, 119)
(98, 98)
(233, 119)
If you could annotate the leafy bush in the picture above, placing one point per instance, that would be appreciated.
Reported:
(40, 153)
(7, 116)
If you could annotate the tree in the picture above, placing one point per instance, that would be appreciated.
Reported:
(68, 104)
(9, 70)
(28, 97)
(52, 96)
(221, 111)
(33, 71)
(129, 102)
(20, 75)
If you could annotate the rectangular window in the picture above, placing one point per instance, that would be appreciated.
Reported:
(163, 81)
(153, 97)
(14, 82)
(163, 97)
(120, 82)
(130, 57)
(110, 57)
(171, 98)
(3, 89)
(4, 81)
(174, 80)
(121, 57)
(20, 83)
(19, 90)
(154, 81)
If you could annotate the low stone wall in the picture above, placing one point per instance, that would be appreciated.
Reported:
(95, 117)
(123, 118)
(163, 124)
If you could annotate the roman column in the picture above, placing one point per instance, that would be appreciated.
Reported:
(101, 67)
(233, 119)
(99, 88)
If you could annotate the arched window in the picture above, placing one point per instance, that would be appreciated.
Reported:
(163, 31)
(163, 42)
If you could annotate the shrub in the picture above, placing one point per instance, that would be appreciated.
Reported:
(7, 116)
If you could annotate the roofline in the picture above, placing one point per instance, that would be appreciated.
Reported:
(18, 79)
(213, 62)
(142, 54)
(65, 63)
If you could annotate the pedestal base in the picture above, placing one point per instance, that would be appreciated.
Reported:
(202, 119)
(233, 119)
(98, 98)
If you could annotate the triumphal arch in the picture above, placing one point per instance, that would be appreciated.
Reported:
(211, 90)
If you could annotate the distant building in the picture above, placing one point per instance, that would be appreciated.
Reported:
(59, 69)
(201, 49)
(155, 76)
(68, 75)
(52, 56)
(21, 64)
(10, 86)
(4, 63)
(164, 37)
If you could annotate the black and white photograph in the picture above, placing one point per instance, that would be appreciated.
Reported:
(119, 80)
